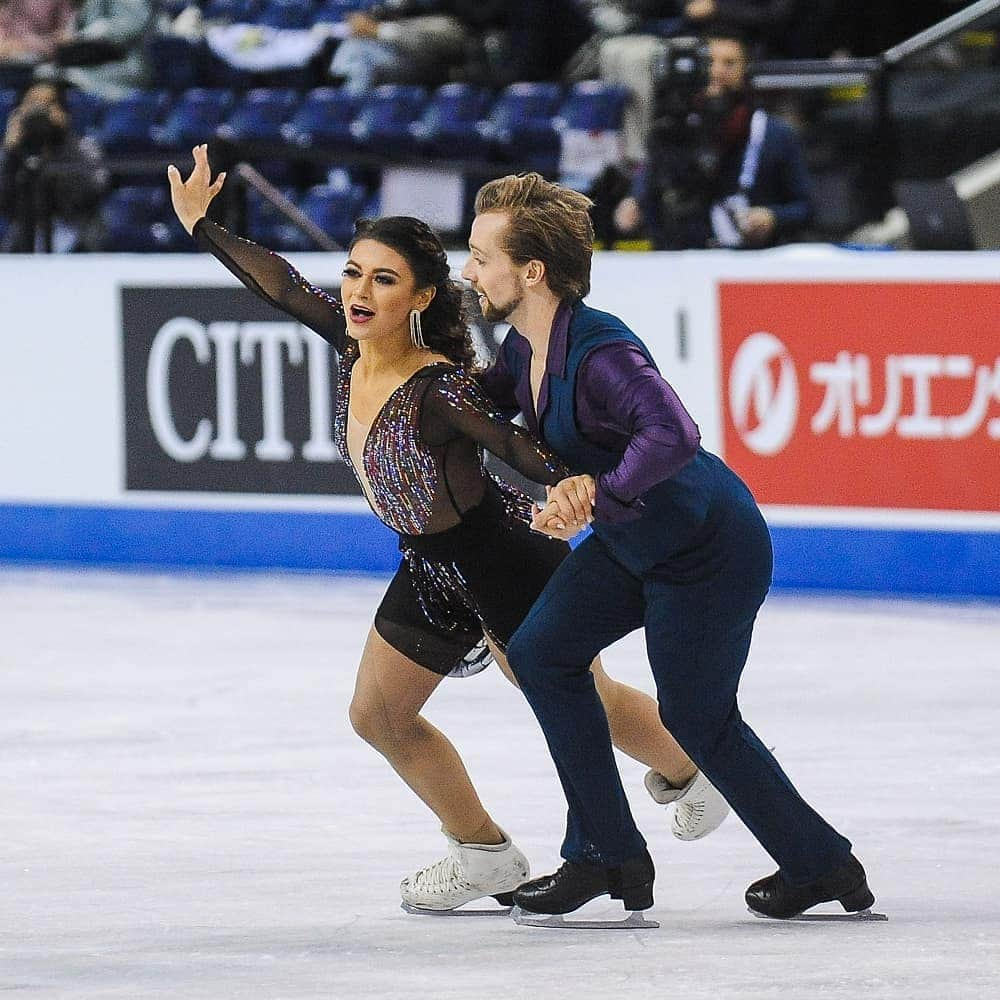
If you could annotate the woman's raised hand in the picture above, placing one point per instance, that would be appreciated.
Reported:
(192, 197)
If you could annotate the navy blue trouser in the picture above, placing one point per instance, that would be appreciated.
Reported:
(697, 640)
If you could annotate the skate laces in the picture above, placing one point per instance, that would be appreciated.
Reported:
(443, 876)
(688, 815)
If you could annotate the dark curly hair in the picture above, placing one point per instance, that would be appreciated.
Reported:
(443, 322)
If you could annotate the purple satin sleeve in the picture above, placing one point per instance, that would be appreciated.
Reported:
(623, 402)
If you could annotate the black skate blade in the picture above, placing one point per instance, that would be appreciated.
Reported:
(862, 916)
(468, 910)
(635, 920)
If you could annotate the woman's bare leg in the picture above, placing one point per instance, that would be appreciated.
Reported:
(637, 730)
(389, 693)
(634, 720)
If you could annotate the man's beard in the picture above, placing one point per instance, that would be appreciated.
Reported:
(495, 312)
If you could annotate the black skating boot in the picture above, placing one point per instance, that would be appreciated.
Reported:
(576, 883)
(774, 897)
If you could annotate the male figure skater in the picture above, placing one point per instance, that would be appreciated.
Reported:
(679, 548)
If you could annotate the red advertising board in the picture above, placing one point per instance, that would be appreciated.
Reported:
(857, 394)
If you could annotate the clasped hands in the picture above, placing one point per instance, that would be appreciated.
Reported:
(569, 508)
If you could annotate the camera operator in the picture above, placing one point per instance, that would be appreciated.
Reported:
(50, 180)
(718, 173)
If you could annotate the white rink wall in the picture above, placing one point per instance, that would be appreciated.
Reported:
(154, 412)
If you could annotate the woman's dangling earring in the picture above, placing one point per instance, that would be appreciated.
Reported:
(416, 333)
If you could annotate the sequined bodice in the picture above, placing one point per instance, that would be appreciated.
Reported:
(400, 472)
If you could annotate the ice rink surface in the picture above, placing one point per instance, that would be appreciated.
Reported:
(185, 812)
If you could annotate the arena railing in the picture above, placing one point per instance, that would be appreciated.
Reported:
(875, 73)
(813, 74)
(250, 177)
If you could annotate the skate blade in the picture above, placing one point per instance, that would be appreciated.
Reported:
(861, 916)
(633, 921)
(498, 911)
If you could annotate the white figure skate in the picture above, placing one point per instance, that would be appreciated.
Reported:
(468, 872)
(698, 807)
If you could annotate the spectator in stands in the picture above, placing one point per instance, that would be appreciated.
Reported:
(718, 173)
(487, 42)
(525, 40)
(401, 41)
(764, 23)
(31, 29)
(777, 29)
(104, 55)
(760, 21)
(49, 177)
(633, 40)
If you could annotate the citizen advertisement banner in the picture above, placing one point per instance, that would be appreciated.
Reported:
(223, 393)
(864, 394)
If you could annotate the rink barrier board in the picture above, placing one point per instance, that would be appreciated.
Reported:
(869, 560)
(221, 539)
(79, 487)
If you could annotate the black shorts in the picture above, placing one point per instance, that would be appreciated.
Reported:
(503, 566)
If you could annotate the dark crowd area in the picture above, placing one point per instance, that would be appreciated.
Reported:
(692, 124)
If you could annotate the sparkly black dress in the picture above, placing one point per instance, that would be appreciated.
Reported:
(470, 563)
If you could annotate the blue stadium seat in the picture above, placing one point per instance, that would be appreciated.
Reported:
(519, 128)
(231, 11)
(335, 209)
(259, 115)
(8, 101)
(526, 102)
(135, 204)
(126, 125)
(86, 111)
(193, 119)
(285, 14)
(323, 119)
(269, 227)
(594, 106)
(171, 237)
(448, 126)
(129, 214)
(383, 124)
(175, 63)
(333, 11)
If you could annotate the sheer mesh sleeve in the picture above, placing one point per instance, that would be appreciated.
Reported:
(454, 406)
(276, 281)
(497, 383)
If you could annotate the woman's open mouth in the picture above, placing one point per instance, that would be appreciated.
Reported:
(359, 314)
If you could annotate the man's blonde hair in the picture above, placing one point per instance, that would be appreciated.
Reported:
(547, 222)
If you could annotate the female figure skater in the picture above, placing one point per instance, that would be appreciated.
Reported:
(412, 423)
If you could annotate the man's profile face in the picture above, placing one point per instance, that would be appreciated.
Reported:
(728, 67)
(489, 269)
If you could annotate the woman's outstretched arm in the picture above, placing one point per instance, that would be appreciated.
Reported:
(265, 273)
